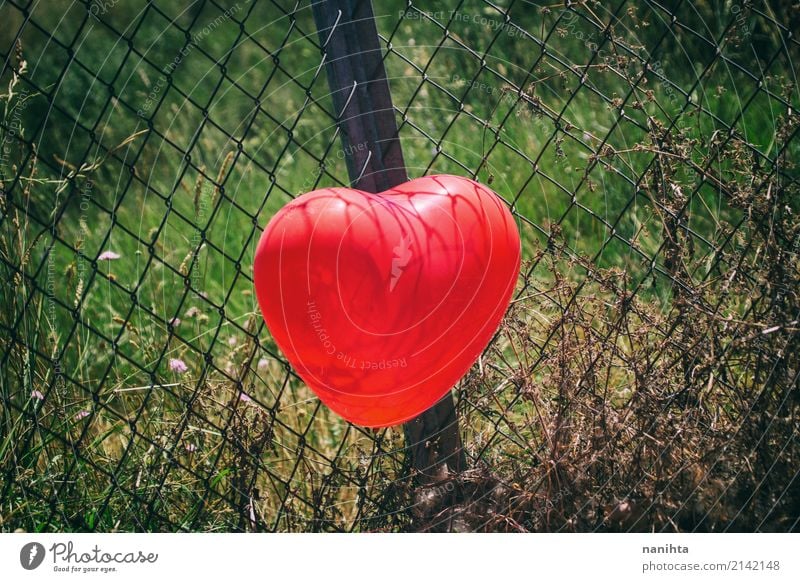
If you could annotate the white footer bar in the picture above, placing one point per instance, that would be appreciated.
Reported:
(387, 557)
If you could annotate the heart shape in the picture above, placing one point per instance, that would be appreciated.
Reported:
(382, 302)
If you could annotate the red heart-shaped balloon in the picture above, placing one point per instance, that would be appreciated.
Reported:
(382, 302)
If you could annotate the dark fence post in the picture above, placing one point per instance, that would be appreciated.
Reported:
(363, 105)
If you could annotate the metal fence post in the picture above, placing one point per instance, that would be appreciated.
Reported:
(363, 105)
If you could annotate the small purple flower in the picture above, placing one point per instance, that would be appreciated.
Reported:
(108, 256)
(245, 398)
(191, 447)
(178, 365)
(192, 312)
(81, 415)
(232, 341)
(175, 321)
(263, 363)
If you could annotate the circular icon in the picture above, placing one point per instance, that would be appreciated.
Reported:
(31, 555)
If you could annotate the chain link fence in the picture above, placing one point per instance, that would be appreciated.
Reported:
(644, 379)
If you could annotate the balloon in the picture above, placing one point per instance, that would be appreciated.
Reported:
(382, 302)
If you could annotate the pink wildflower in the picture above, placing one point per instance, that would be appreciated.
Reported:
(108, 256)
(178, 365)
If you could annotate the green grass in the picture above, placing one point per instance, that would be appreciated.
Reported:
(155, 224)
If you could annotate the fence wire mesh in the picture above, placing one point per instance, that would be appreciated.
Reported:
(644, 378)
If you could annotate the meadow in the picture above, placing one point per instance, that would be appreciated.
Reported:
(645, 377)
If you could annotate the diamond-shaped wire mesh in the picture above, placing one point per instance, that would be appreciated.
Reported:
(645, 377)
